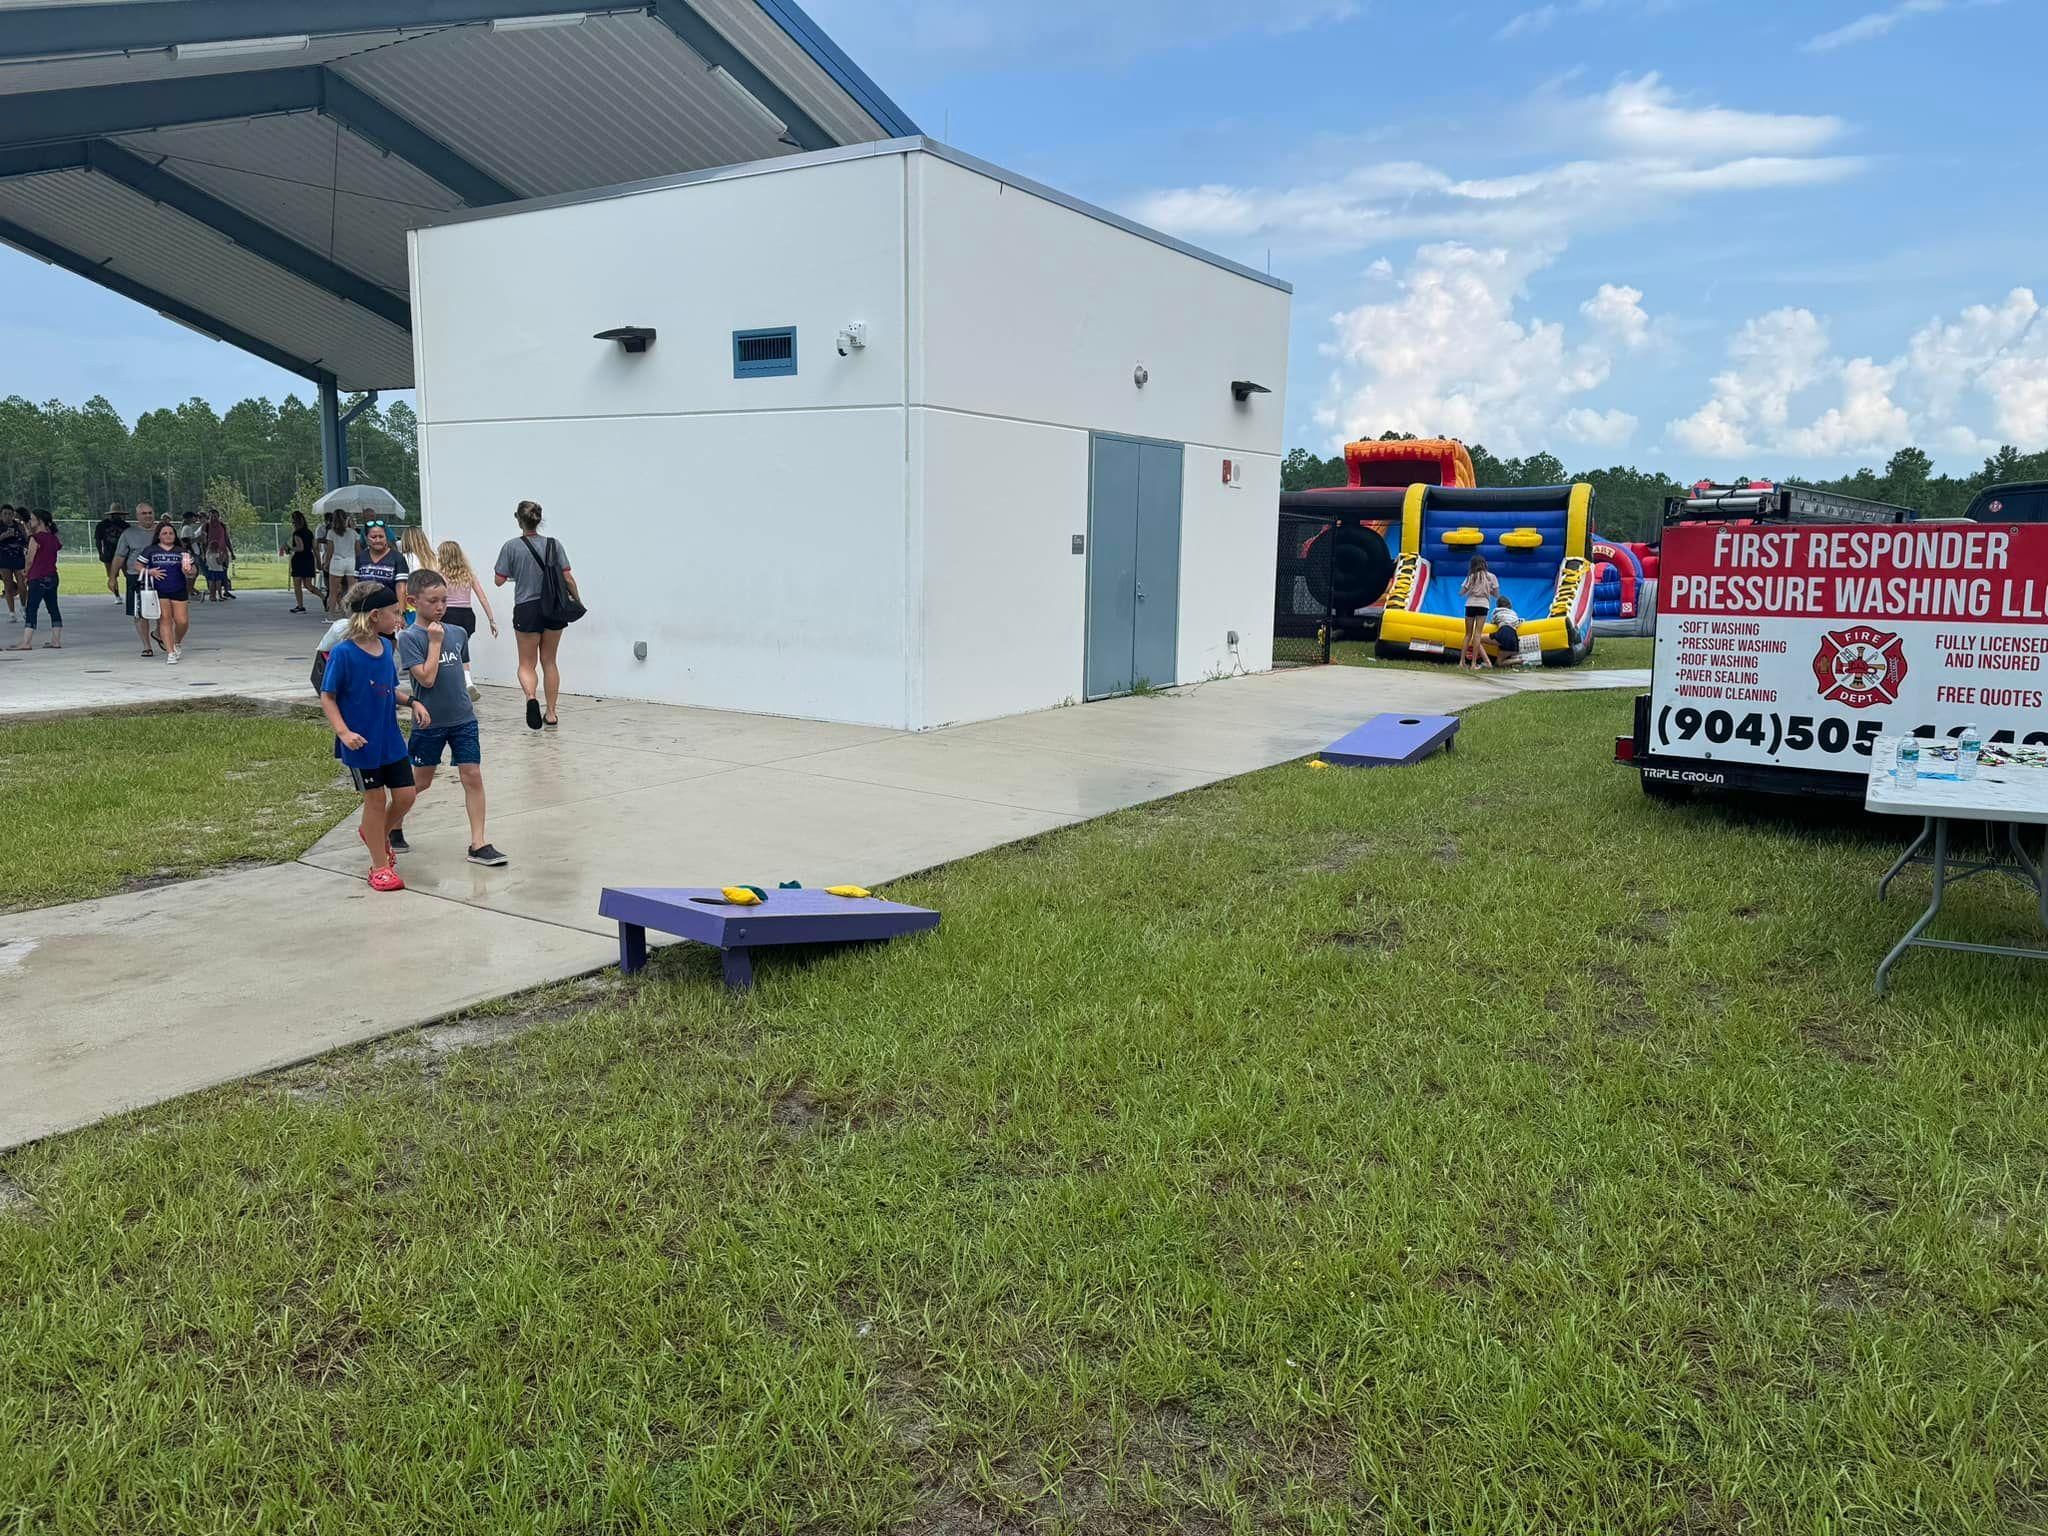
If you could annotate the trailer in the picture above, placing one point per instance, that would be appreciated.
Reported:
(1680, 774)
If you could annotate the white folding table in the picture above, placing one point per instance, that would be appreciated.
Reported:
(2006, 798)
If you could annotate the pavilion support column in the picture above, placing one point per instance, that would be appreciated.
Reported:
(333, 442)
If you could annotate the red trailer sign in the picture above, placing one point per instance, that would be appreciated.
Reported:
(1798, 646)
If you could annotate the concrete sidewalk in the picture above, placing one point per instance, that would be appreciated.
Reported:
(106, 1011)
(252, 648)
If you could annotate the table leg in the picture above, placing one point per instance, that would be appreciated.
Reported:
(2034, 871)
(632, 948)
(1934, 907)
(1926, 826)
(739, 969)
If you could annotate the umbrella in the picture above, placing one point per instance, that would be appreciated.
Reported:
(360, 502)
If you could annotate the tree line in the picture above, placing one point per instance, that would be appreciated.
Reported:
(1628, 503)
(258, 462)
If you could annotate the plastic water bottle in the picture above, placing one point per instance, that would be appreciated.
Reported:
(1908, 767)
(1969, 747)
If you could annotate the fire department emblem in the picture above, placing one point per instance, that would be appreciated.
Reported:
(1860, 666)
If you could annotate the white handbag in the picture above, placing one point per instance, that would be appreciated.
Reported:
(149, 604)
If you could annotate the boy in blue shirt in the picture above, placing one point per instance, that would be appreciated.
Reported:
(360, 699)
(432, 655)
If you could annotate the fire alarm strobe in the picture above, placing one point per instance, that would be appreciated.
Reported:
(631, 338)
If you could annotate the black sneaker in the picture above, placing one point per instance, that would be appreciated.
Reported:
(398, 842)
(488, 855)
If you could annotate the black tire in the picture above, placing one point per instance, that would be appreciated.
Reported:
(1360, 567)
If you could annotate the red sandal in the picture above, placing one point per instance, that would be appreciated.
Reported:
(386, 879)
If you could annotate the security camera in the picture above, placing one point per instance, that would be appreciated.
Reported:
(853, 339)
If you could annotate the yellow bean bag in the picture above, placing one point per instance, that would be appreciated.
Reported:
(1458, 538)
(1522, 538)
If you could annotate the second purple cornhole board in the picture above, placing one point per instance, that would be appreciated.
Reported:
(1389, 741)
(786, 917)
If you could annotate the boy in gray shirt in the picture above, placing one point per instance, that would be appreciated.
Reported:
(433, 656)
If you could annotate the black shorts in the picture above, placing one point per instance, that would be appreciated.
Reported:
(526, 620)
(396, 775)
(1476, 610)
(1508, 638)
(302, 568)
(463, 619)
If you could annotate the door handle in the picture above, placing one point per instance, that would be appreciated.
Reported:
(1141, 592)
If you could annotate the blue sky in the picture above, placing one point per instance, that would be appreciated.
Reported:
(1702, 235)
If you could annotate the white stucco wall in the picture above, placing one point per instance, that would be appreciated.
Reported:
(749, 530)
(1033, 318)
(883, 538)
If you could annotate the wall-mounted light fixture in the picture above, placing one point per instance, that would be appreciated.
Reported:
(236, 47)
(631, 338)
(539, 23)
(1242, 390)
(755, 106)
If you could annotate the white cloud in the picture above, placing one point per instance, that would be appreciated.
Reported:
(1647, 116)
(1527, 23)
(1656, 151)
(1986, 368)
(1598, 429)
(1874, 25)
(1618, 313)
(1447, 355)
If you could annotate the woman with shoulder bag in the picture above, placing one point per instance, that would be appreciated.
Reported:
(545, 601)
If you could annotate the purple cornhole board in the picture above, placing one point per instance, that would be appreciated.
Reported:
(786, 917)
(1388, 741)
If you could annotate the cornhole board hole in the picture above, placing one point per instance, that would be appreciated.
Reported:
(786, 917)
(1390, 741)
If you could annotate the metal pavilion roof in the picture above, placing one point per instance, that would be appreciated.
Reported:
(250, 167)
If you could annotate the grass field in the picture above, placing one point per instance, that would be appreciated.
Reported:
(91, 803)
(83, 578)
(1477, 1148)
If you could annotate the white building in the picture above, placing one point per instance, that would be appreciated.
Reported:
(915, 441)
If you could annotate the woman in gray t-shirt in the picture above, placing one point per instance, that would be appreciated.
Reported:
(521, 562)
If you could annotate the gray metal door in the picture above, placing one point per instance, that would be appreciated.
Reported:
(1156, 651)
(1133, 565)
(1112, 567)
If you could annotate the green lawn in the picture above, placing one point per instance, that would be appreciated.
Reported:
(83, 578)
(90, 803)
(1610, 654)
(1474, 1148)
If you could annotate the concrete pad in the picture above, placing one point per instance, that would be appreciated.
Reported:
(107, 1009)
(755, 826)
(707, 733)
(532, 771)
(1067, 784)
(110, 1008)
(254, 647)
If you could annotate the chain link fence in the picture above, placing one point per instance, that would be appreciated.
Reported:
(255, 543)
(1305, 591)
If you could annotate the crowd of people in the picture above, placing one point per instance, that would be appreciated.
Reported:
(406, 615)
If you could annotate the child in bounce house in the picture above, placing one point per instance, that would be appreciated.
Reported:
(1481, 589)
(1507, 634)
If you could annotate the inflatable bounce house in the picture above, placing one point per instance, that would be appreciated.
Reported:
(1624, 588)
(1365, 523)
(1536, 540)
